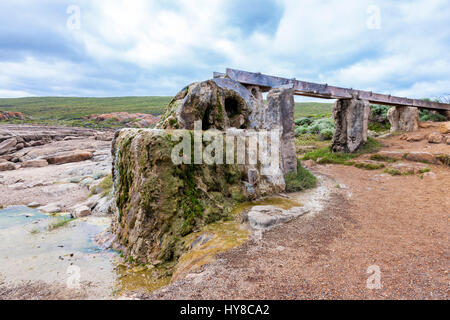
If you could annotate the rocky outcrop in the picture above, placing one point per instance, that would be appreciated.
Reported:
(403, 118)
(218, 104)
(8, 145)
(140, 120)
(158, 202)
(37, 163)
(72, 156)
(6, 115)
(420, 156)
(351, 121)
(445, 128)
(435, 137)
(6, 166)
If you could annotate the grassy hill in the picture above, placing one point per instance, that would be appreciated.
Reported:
(69, 111)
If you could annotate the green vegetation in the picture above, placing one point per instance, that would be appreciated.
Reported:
(323, 127)
(312, 109)
(70, 111)
(444, 158)
(379, 157)
(379, 127)
(395, 172)
(369, 166)
(59, 222)
(301, 180)
(106, 185)
(392, 172)
(67, 108)
(424, 170)
(427, 115)
(324, 155)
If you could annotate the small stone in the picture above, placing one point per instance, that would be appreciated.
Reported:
(81, 211)
(435, 137)
(415, 137)
(51, 208)
(445, 127)
(429, 175)
(33, 204)
(7, 166)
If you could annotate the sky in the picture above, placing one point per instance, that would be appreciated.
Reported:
(108, 48)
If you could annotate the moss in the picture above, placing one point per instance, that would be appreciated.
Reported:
(392, 172)
(300, 180)
(379, 157)
(369, 166)
(219, 115)
(395, 172)
(59, 222)
(444, 158)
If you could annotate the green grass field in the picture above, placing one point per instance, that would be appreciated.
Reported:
(69, 111)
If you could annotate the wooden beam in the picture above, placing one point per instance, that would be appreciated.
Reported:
(325, 91)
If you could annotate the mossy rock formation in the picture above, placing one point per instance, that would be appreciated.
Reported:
(159, 202)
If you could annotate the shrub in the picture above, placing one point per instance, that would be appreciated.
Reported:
(427, 115)
(379, 110)
(304, 121)
(326, 134)
(301, 180)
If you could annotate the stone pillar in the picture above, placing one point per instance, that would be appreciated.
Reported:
(403, 118)
(279, 113)
(351, 121)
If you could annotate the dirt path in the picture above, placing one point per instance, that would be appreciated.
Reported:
(399, 224)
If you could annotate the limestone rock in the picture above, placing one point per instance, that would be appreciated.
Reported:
(264, 217)
(279, 114)
(403, 118)
(217, 103)
(351, 120)
(7, 146)
(38, 163)
(435, 137)
(421, 157)
(413, 137)
(80, 211)
(6, 166)
(103, 207)
(50, 208)
(157, 201)
(73, 156)
(33, 204)
(398, 155)
(445, 127)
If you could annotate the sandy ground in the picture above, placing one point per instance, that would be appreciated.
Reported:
(398, 224)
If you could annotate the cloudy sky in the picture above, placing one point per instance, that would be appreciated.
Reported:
(129, 48)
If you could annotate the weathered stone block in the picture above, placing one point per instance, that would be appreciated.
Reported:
(351, 121)
(403, 118)
(279, 114)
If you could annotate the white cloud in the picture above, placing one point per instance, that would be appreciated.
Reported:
(323, 41)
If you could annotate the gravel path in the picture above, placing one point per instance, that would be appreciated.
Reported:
(399, 225)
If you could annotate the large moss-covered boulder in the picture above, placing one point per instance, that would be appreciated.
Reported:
(217, 103)
(159, 202)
